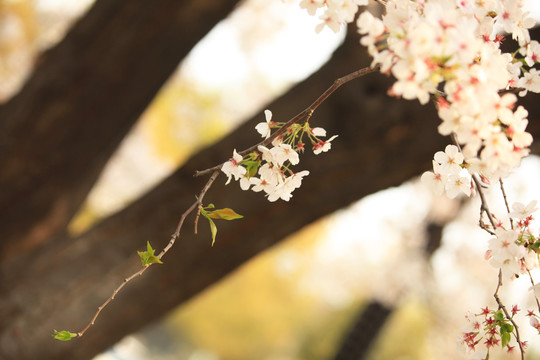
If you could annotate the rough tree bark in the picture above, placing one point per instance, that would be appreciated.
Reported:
(364, 331)
(383, 142)
(84, 96)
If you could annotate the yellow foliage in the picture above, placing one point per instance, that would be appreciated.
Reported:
(258, 313)
(18, 34)
(182, 119)
(404, 333)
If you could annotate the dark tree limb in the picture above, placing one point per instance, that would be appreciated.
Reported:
(57, 134)
(358, 341)
(364, 331)
(383, 142)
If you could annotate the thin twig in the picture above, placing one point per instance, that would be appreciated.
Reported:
(215, 172)
(484, 206)
(174, 237)
(305, 113)
(533, 284)
(506, 203)
(503, 308)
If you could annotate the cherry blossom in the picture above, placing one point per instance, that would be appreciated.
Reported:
(435, 180)
(323, 146)
(449, 160)
(449, 53)
(232, 168)
(521, 211)
(264, 128)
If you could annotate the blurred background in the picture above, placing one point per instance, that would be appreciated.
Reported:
(414, 261)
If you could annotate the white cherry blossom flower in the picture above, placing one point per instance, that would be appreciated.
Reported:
(284, 190)
(536, 290)
(311, 5)
(521, 211)
(530, 82)
(232, 168)
(265, 128)
(435, 180)
(245, 184)
(532, 53)
(318, 131)
(505, 253)
(283, 153)
(457, 184)
(266, 154)
(449, 160)
(323, 146)
(260, 184)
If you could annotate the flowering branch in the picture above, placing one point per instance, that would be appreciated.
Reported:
(149, 258)
(447, 50)
(65, 335)
(507, 315)
(306, 113)
(506, 203)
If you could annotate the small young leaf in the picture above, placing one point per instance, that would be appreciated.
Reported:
(499, 316)
(148, 257)
(225, 214)
(505, 327)
(505, 338)
(252, 167)
(213, 229)
(204, 213)
(64, 335)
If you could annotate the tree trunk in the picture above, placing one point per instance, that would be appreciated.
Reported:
(383, 142)
(364, 332)
(85, 94)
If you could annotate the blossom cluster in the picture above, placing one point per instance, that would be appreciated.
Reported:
(336, 12)
(269, 169)
(450, 51)
(515, 249)
(489, 329)
(448, 174)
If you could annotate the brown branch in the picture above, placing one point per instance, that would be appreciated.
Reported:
(173, 239)
(216, 169)
(503, 308)
(308, 112)
(483, 207)
(506, 203)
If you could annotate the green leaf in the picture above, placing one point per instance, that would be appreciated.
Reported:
(148, 257)
(535, 246)
(64, 335)
(213, 229)
(506, 327)
(505, 338)
(499, 316)
(225, 214)
(252, 166)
